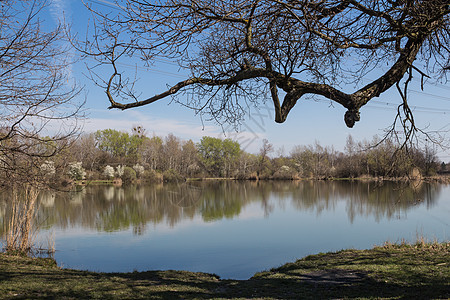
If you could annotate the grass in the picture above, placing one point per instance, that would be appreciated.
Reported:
(420, 271)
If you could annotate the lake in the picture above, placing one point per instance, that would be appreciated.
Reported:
(230, 228)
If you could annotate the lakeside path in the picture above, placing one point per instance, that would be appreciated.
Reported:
(419, 271)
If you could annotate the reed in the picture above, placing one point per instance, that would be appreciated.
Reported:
(19, 232)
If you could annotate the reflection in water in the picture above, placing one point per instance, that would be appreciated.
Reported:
(108, 208)
(230, 228)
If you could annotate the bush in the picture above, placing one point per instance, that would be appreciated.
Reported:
(172, 175)
(139, 170)
(129, 175)
(76, 171)
(119, 171)
(152, 176)
(93, 175)
(285, 173)
(48, 168)
(108, 172)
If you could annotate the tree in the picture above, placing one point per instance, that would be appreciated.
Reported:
(263, 160)
(218, 156)
(36, 91)
(230, 154)
(85, 149)
(129, 175)
(120, 169)
(76, 171)
(119, 145)
(354, 165)
(38, 112)
(248, 165)
(151, 152)
(172, 153)
(189, 158)
(236, 52)
(108, 171)
(139, 170)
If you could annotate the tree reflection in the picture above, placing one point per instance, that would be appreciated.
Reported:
(109, 208)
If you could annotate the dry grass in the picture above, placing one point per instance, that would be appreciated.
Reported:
(19, 232)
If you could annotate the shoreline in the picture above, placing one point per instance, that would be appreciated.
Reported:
(420, 270)
(444, 179)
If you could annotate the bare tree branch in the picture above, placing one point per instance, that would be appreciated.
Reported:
(242, 49)
(36, 92)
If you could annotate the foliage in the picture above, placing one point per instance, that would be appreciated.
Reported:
(152, 176)
(139, 170)
(189, 159)
(313, 161)
(48, 168)
(171, 157)
(223, 158)
(119, 144)
(76, 171)
(218, 156)
(119, 170)
(108, 172)
(85, 149)
(129, 175)
(172, 176)
(264, 161)
(151, 153)
(285, 173)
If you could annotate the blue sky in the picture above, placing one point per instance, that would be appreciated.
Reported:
(308, 122)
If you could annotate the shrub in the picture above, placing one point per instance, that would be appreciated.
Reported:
(48, 168)
(139, 170)
(285, 173)
(129, 175)
(108, 172)
(76, 171)
(172, 175)
(152, 176)
(119, 170)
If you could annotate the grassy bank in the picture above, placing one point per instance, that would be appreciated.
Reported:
(420, 271)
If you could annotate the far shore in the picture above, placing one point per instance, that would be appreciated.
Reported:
(118, 182)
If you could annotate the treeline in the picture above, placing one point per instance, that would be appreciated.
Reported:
(112, 154)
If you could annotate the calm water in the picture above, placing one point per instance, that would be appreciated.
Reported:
(233, 229)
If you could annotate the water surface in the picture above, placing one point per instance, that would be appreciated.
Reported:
(233, 229)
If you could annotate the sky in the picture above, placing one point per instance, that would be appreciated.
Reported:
(308, 122)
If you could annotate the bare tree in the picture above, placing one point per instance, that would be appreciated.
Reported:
(242, 53)
(38, 112)
(152, 153)
(263, 159)
(85, 149)
(172, 150)
(37, 107)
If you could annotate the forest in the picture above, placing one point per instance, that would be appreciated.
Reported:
(130, 157)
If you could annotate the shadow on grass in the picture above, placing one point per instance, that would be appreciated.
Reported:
(339, 283)
(375, 274)
(322, 284)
